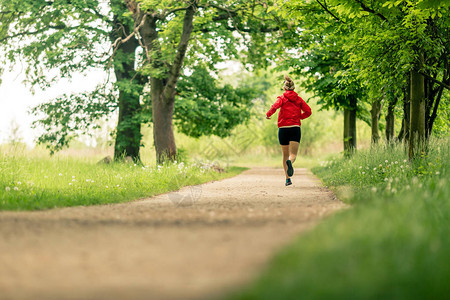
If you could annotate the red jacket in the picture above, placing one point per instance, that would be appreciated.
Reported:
(292, 106)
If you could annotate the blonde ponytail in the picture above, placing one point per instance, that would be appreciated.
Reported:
(288, 84)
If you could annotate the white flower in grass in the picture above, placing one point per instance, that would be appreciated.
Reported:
(70, 183)
(360, 167)
(73, 177)
(45, 176)
(375, 169)
(385, 179)
(106, 186)
(363, 173)
(407, 187)
(16, 188)
(394, 190)
(396, 162)
(386, 161)
(420, 185)
(60, 174)
(92, 181)
(404, 160)
(374, 189)
(117, 185)
(19, 183)
(401, 167)
(7, 188)
(437, 173)
(87, 180)
(367, 168)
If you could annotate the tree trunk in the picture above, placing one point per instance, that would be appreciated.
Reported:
(417, 125)
(430, 94)
(350, 127)
(390, 121)
(128, 136)
(404, 132)
(163, 87)
(162, 110)
(433, 116)
(375, 114)
(128, 131)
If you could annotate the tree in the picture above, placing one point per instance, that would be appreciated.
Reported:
(68, 37)
(393, 38)
(375, 114)
(165, 29)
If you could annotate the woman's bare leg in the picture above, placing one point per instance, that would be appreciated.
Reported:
(293, 149)
(285, 150)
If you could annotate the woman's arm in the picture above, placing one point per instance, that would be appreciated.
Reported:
(274, 107)
(306, 110)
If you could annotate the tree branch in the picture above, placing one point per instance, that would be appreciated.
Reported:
(166, 13)
(328, 11)
(136, 29)
(58, 27)
(368, 9)
(229, 11)
(188, 26)
(435, 80)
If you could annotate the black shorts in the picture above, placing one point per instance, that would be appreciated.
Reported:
(285, 135)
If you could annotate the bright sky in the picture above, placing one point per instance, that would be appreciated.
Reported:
(16, 99)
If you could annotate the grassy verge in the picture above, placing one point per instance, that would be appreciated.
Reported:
(394, 243)
(42, 183)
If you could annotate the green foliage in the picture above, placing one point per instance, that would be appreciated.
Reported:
(70, 116)
(203, 107)
(366, 48)
(57, 39)
(312, 47)
(69, 37)
(392, 244)
(63, 36)
(33, 183)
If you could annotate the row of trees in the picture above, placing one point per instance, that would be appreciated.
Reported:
(358, 52)
(356, 55)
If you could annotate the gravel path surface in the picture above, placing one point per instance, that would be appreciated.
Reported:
(196, 243)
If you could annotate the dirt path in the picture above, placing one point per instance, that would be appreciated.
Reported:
(196, 243)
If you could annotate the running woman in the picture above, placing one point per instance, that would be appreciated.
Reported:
(292, 109)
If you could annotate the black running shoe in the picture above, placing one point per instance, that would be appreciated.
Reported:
(290, 169)
(288, 182)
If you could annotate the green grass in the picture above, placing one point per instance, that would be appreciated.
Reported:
(393, 243)
(40, 182)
